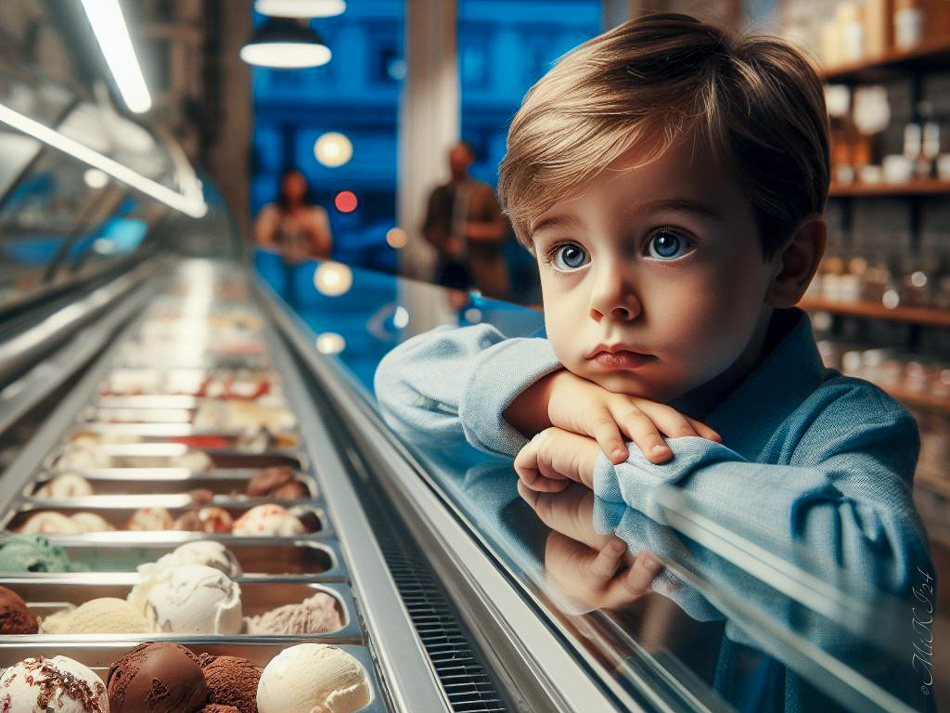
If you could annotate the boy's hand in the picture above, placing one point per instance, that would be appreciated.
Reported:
(554, 458)
(597, 569)
(575, 404)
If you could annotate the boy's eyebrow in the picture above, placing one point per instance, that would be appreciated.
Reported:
(680, 205)
(555, 221)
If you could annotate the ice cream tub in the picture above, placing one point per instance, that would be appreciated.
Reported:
(83, 454)
(253, 437)
(236, 483)
(257, 558)
(271, 609)
(203, 379)
(120, 518)
(100, 656)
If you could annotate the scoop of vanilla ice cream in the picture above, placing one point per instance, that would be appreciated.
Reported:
(105, 615)
(193, 599)
(313, 678)
(209, 554)
(64, 487)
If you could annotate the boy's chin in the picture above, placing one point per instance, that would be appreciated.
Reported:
(630, 384)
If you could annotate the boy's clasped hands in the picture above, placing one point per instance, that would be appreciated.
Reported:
(574, 421)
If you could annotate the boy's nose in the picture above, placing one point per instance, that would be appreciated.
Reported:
(615, 299)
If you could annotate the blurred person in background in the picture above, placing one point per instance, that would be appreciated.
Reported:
(293, 225)
(465, 224)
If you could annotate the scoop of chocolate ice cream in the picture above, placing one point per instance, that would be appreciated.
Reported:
(294, 490)
(218, 708)
(15, 618)
(268, 480)
(232, 681)
(201, 496)
(158, 678)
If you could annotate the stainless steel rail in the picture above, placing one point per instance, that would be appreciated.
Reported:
(408, 673)
(527, 652)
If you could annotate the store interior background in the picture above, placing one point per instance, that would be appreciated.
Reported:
(409, 78)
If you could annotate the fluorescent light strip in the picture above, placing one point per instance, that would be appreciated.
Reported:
(194, 206)
(112, 33)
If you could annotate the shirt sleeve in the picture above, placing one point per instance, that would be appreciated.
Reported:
(457, 382)
(841, 507)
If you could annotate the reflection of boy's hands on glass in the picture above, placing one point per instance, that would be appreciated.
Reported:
(596, 569)
(575, 404)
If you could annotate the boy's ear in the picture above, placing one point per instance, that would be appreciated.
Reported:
(796, 262)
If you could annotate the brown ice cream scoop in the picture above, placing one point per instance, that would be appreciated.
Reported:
(218, 708)
(232, 681)
(157, 678)
(15, 618)
(212, 520)
(269, 480)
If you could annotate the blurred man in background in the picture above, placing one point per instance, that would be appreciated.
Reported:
(465, 224)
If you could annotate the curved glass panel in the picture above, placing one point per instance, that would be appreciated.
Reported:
(735, 619)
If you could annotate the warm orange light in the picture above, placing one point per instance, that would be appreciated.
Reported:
(346, 201)
(397, 238)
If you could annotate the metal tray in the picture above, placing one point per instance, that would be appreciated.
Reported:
(158, 455)
(117, 514)
(100, 655)
(261, 558)
(227, 484)
(53, 594)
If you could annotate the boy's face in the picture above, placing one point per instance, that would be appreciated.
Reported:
(663, 259)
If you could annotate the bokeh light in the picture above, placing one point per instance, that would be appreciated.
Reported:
(346, 201)
(397, 238)
(330, 343)
(333, 149)
(333, 279)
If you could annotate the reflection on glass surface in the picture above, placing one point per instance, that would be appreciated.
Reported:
(689, 608)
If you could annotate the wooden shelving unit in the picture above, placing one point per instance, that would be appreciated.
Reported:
(917, 399)
(882, 190)
(933, 56)
(913, 315)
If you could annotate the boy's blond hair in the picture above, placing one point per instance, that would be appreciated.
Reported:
(757, 102)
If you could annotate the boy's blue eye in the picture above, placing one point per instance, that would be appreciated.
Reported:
(667, 245)
(570, 257)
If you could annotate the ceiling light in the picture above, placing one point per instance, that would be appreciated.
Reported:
(300, 8)
(282, 43)
(112, 33)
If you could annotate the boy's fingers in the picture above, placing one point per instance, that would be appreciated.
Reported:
(705, 431)
(640, 576)
(642, 431)
(608, 436)
(605, 565)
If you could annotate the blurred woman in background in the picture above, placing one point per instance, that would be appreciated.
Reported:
(293, 225)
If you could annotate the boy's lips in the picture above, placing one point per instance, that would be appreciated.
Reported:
(619, 356)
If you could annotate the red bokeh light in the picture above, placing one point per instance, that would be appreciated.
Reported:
(346, 201)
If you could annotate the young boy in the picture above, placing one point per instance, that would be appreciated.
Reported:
(670, 182)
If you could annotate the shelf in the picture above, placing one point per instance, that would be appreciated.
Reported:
(915, 315)
(911, 188)
(916, 399)
(932, 56)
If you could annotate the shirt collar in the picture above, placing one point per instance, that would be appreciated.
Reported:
(752, 412)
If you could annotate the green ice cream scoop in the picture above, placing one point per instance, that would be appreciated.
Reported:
(32, 553)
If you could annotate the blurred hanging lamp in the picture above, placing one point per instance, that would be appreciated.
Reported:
(284, 43)
(300, 8)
